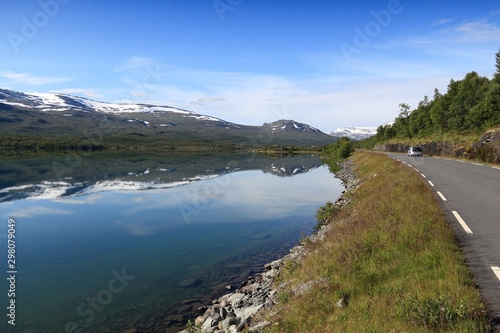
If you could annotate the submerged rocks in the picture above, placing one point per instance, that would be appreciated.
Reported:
(236, 311)
(190, 283)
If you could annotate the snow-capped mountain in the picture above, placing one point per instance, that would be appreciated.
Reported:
(289, 126)
(355, 133)
(53, 102)
(54, 114)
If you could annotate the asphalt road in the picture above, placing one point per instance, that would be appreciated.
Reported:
(470, 195)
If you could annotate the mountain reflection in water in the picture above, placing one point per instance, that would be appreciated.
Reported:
(80, 225)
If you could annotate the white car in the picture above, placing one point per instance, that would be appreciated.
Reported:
(415, 151)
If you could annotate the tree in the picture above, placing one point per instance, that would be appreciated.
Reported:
(496, 76)
(437, 94)
(404, 110)
(486, 113)
(469, 92)
(419, 119)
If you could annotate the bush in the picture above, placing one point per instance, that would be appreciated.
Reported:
(325, 213)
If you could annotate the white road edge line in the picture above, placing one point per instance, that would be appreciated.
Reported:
(461, 161)
(416, 169)
(496, 168)
(462, 223)
(478, 164)
(441, 195)
(431, 183)
(423, 175)
(496, 270)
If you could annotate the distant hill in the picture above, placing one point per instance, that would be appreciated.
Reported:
(46, 114)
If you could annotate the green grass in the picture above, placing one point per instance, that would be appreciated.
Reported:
(393, 256)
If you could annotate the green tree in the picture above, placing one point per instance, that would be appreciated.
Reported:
(486, 113)
(419, 119)
(496, 76)
(469, 92)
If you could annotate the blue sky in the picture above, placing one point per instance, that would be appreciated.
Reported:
(326, 63)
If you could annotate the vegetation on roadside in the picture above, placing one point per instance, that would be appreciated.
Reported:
(470, 106)
(391, 258)
(334, 153)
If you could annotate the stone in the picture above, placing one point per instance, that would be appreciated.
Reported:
(223, 313)
(246, 313)
(215, 319)
(235, 299)
(259, 326)
(199, 321)
(307, 287)
(190, 283)
(226, 323)
(207, 325)
(342, 303)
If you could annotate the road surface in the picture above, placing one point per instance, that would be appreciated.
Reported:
(470, 195)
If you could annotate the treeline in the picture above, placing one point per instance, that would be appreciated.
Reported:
(469, 105)
(132, 142)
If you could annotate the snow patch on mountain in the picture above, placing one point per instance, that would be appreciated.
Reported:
(284, 125)
(355, 133)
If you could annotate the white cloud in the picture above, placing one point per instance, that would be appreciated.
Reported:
(79, 92)
(134, 63)
(368, 98)
(213, 99)
(82, 200)
(38, 210)
(478, 31)
(30, 79)
(441, 22)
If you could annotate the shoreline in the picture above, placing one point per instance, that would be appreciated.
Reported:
(239, 310)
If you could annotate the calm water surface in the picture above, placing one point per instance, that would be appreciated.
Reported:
(107, 244)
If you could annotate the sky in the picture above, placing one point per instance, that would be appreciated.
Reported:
(326, 63)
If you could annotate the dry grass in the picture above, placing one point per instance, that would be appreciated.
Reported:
(392, 255)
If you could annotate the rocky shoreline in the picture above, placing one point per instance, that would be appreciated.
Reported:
(237, 311)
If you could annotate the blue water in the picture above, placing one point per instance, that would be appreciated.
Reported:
(116, 259)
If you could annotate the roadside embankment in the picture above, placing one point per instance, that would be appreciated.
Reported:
(486, 149)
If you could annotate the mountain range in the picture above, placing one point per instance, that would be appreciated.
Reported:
(53, 114)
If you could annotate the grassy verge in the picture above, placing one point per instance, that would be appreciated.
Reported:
(391, 257)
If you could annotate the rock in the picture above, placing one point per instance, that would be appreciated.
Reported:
(342, 303)
(307, 287)
(190, 283)
(199, 321)
(215, 319)
(235, 300)
(207, 325)
(246, 313)
(226, 323)
(223, 313)
(259, 327)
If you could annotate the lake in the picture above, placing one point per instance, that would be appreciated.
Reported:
(107, 243)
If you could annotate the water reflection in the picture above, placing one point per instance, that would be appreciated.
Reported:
(52, 178)
(179, 243)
